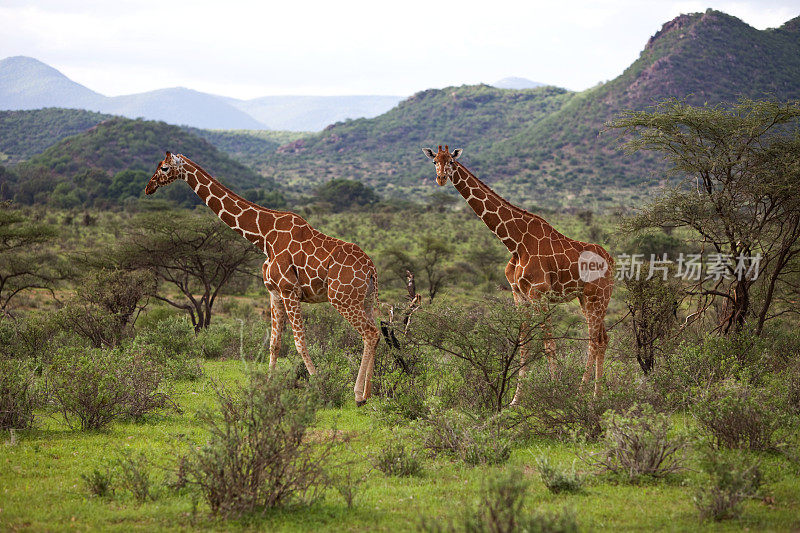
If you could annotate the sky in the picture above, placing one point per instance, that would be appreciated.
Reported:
(247, 49)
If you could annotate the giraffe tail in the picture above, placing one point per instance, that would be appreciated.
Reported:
(386, 327)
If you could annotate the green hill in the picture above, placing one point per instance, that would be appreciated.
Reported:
(111, 163)
(246, 145)
(385, 151)
(543, 145)
(24, 134)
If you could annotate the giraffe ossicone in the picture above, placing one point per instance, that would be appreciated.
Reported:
(302, 264)
(544, 263)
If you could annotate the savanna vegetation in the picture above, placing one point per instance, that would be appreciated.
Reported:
(134, 393)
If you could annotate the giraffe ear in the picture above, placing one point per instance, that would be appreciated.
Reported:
(168, 156)
(456, 153)
(428, 152)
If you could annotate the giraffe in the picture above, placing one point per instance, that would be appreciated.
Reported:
(544, 265)
(302, 265)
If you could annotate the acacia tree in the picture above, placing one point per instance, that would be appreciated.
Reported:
(25, 260)
(197, 254)
(739, 169)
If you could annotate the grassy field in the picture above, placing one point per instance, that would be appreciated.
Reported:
(41, 487)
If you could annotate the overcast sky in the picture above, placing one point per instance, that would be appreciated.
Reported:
(250, 49)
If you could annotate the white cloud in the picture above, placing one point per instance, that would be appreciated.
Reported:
(252, 48)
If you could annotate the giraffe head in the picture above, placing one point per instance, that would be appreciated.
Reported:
(169, 169)
(445, 162)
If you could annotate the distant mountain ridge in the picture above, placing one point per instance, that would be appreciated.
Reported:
(517, 83)
(27, 83)
(539, 145)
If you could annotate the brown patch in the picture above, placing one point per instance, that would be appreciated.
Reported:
(491, 219)
(227, 218)
(215, 204)
(265, 222)
(247, 220)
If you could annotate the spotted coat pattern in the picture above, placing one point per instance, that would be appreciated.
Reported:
(544, 263)
(302, 265)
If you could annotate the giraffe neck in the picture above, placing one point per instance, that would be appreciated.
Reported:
(253, 222)
(495, 211)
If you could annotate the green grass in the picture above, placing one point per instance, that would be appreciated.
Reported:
(41, 486)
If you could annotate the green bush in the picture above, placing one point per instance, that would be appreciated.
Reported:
(696, 365)
(467, 437)
(99, 483)
(30, 337)
(731, 481)
(558, 479)
(135, 475)
(737, 415)
(19, 394)
(637, 444)
(500, 509)
(402, 395)
(393, 459)
(258, 455)
(174, 345)
(556, 407)
(480, 348)
(93, 387)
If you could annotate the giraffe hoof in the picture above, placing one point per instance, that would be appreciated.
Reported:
(361, 403)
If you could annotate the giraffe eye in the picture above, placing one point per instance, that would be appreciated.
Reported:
(164, 169)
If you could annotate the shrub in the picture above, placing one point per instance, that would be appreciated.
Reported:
(482, 345)
(29, 338)
(135, 475)
(653, 307)
(99, 482)
(695, 366)
(174, 345)
(93, 387)
(459, 435)
(736, 415)
(555, 407)
(347, 482)
(258, 455)
(636, 444)
(731, 482)
(500, 510)
(108, 304)
(332, 385)
(394, 459)
(557, 479)
(402, 396)
(18, 394)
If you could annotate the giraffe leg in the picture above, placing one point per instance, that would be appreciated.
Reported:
(365, 336)
(356, 307)
(549, 346)
(523, 354)
(295, 314)
(595, 310)
(278, 324)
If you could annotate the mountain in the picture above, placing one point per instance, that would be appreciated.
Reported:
(26, 83)
(385, 151)
(113, 160)
(545, 145)
(313, 113)
(706, 57)
(517, 83)
(182, 106)
(24, 134)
